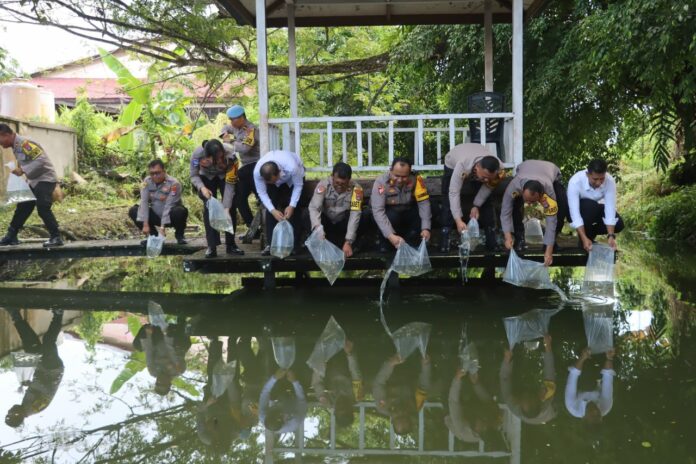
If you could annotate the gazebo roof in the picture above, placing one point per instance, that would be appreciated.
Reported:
(323, 13)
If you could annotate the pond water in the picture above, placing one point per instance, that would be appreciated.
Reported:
(104, 386)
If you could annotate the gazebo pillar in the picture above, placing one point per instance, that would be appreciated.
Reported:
(262, 76)
(517, 80)
(488, 46)
(292, 58)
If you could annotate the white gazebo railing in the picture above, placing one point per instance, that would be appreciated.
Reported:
(370, 143)
(511, 431)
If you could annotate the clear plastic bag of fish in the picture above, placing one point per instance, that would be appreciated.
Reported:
(532, 231)
(328, 256)
(223, 376)
(156, 316)
(218, 217)
(411, 337)
(331, 341)
(529, 326)
(600, 264)
(283, 239)
(154, 245)
(18, 190)
(474, 229)
(599, 327)
(410, 261)
(284, 351)
(526, 273)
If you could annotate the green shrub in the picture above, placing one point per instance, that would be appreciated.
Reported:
(675, 216)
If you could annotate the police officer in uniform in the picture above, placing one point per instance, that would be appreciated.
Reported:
(42, 179)
(470, 169)
(400, 205)
(336, 205)
(536, 181)
(160, 204)
(244, 137)
(213, 169)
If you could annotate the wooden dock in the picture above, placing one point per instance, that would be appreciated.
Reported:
(94, 249)
(252, 262)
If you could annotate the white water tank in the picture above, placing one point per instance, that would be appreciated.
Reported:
(20, 100)
(48, 106)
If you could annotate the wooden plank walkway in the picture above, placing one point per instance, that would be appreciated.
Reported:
(94, 249)
(253, 261)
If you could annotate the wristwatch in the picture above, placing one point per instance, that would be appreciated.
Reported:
(349, 241)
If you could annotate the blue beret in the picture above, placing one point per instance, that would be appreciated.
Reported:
(235, 111)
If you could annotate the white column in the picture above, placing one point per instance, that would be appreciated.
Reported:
(488, 45)
(262, 75)
(292, 58)
(517, 88)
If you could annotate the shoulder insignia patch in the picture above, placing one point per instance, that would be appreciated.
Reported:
(356, 199)
(515, 194)
(31, 150)
(421, 192)
(550, 205)
(380, 189)
(249, 139)
(320, 189)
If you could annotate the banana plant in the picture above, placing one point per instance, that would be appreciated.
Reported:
(150, 119)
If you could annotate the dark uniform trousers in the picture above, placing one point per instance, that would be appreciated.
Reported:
(469, 190)
(245, 187)
(47, 349)
(593, 217)
(280, 197)
(212, 236)
(406, 222)
(563, 210)
(177, 215)
(44, 200)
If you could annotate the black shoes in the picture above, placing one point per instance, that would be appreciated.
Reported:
(211, 252)
(54, 241)
(180, 240)
(10, 238)
(233, 249)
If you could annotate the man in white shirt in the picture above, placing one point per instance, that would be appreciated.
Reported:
(279, 178)
(590, 406)
(590, 217)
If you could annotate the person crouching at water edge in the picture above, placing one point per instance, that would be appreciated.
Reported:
(400, 206)
(160, 204)
(213, 169)
(336, 205)
(279, 178)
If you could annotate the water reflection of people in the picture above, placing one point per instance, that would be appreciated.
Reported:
(533, 405)
(340, 385)
(473, 413)
(219, 418)
(590, 406)
(282, 404)
(49, 372)
(401, 400)
(165, 353)
(256, 367)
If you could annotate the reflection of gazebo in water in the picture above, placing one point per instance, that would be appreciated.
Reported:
(368, 142)
(363, 141)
